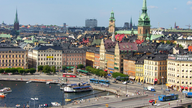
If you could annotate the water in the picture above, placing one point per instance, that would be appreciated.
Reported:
(22, 93)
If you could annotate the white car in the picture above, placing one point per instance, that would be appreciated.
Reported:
(125, 82)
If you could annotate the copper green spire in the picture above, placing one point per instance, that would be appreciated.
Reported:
(144, 5)
(16, 18)
(112, 16)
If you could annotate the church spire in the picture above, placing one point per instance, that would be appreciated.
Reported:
(144, 5)
(16, 18)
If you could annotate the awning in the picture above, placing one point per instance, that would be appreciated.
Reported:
(155, 79)
(131, 77)
(181, 87)
(169, 85)
(105, 70)
(111, 71)
(186, 88)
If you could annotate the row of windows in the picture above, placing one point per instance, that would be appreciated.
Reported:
(155, 63)
(160, 68)
(74, 55)
(12, 52)
(49, 63)
(139, 74)
(49, 54)
(11, 64)
(49, 51)
(73, 59)
(49, 59)
(5, 56)
(170, 63)
(9, 61)
(73, 63)
(173, 81)
(173, 69)
(173, 75)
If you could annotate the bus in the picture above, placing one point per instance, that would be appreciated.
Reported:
(168, 97)
(69, 75)
(96, 81)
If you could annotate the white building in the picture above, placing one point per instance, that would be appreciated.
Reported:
(45, 55)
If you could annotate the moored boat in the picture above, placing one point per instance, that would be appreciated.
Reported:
(81, 87)
(55, 104)
(6, 90)
(2, 95)
(18, 105)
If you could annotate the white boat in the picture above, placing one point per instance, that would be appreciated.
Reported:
(6, 90)
(47, 82)
(55, 104)
(28, 81)
(18, 105)
(80, 87)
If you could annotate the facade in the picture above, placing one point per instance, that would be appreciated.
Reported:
(45, 55)
(144, 24)
(97, 59)
(184, 41)
(179, 72)
(90, 57)
(139, 71)
(155, 69)
(112, 23)
(13, 57)
(91, 23)
(102, 55)
(16, 22)
(129, 68)
(110, 61)
(73, 57)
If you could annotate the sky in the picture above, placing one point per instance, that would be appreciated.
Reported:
(163, 13)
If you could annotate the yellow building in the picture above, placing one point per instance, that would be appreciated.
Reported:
(155, 69)
(90, 57)
(110, 61)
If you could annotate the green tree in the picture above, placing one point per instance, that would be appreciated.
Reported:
(162, 41)
(53, 69)
(14, 70)
(46, 69)
(1, 70)
(27, 70)
(180, 46)
(168, 42)
(18, 69)
(40, 68)
(21, 71)
(88, 68)
(7, 70)
(80, 66)
(64, 67)
(32, 70)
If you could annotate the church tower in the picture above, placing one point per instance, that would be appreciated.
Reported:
(131, 25)
(16, 22)
(144, 24)
(111, 23)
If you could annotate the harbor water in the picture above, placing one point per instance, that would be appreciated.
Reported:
(22, 93)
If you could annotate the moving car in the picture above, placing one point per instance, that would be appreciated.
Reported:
(151, 100)
(125, 82)
(115, 82)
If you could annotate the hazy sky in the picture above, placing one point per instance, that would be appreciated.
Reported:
(74, 12)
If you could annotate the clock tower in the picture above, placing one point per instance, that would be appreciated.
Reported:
(144, 24)
(111, 23)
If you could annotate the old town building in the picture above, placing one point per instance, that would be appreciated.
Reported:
(13, 57)
(155, 68)
(102, 55)
(179, 72)
(110, 60)
(45, 55)
(74, 56)
(90, 56)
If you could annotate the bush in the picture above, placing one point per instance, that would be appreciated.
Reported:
(32, 70)
(1, 70)
(80, 66)
(120, 76)
(40, 68)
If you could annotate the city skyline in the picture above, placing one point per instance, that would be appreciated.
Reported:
(75, 12)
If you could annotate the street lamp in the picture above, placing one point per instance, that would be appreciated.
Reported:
(162, 83)
(34, 100)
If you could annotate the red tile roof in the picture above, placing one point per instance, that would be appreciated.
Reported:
(128, 46)
(119, 37)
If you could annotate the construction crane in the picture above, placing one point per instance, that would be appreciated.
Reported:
(188, 26)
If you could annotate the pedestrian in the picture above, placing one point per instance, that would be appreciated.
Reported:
(89, 99)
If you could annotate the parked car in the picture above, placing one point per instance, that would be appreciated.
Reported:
(153, 90)
(145, 88)
(167, 90)
(115, 82)
(125, 82)
(151, 100)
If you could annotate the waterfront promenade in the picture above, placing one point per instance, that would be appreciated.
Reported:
(113, 101)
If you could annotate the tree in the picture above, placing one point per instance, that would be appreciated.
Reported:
(13, 70)
(64, 67)
(40, 68)
(80, 66)
(46, 69)
(1, 70)
(162, 41)
(27, 71)
(180, 46)
(53, 69)
(168, 42)
(21, 71)
(88, 68)
(7, 70)
(32, 70)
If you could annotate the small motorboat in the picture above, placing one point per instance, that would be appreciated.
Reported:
(2, 95)
(47, 82)
(17, 106)
(6, 90)
(67, 100)
(28, 81)
(55, 104)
